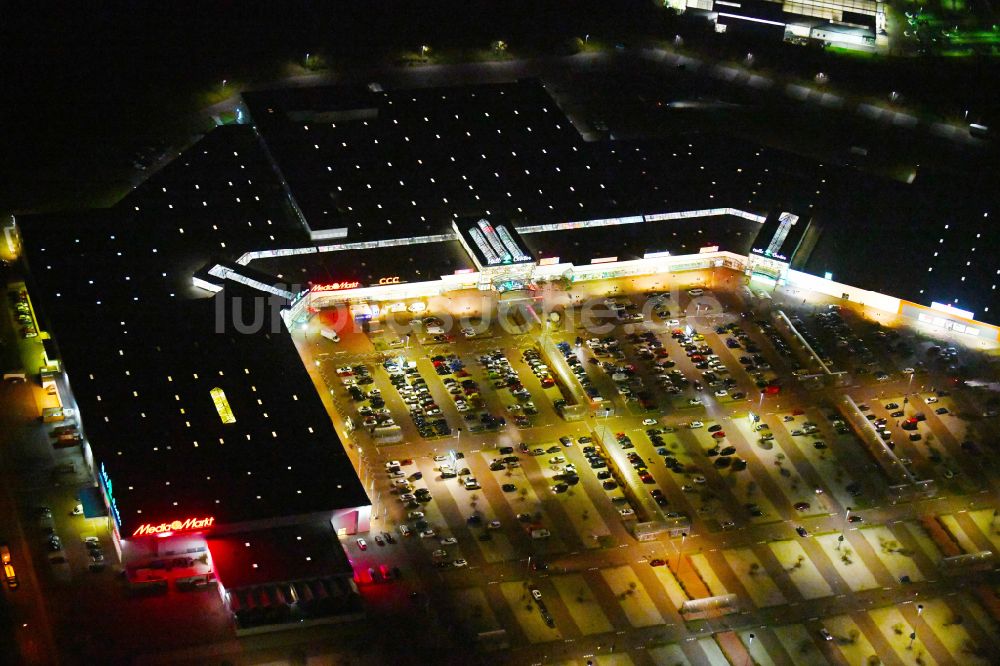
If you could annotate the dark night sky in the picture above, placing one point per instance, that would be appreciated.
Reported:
(87, 83)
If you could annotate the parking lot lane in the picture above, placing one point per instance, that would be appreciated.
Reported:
(852, 573)
(767, 472)
(942, 611)
(794, 571)
(798, 642)
(893, 558)
(505, 614)
(889, 625)
(527, 613)
(580, 602)
(655, 581)
(777, 572)
(670, 655)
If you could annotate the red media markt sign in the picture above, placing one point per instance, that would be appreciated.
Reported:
(336, 286)
(186, 525)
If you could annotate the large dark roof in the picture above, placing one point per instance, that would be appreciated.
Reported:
(143, 348)
(434, 154)
(284, 554)
(934, 240)
(632, 241)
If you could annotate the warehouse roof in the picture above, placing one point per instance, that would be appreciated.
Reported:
(192, 413)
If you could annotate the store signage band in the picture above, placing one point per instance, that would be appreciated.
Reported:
(336, 286)
(149, 529)
(395, 279)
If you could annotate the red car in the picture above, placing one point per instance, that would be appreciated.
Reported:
(719, 435)
(656, 563)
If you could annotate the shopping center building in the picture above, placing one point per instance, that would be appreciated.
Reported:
(171, 310)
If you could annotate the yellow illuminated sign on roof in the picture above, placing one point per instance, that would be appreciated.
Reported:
(222, 405)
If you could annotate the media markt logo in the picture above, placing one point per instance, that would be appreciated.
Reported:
(174, 526)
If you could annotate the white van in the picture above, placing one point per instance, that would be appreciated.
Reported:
(540, 534)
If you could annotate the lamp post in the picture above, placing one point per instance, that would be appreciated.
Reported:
(913, 637)
(749, 646)
(680, 550)
(847, 515)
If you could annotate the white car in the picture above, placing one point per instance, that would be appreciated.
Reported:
(698, 478)
(674, 322)
(415, 515)
(627, 512)
(438, 458)
(721, 393)
(417, 307)
(469, 332)
(649, 422)
(536, 594)
(398, 474)
(427, 534)
(696, 424)
(931, 400)
(439, 554)
(391, 464)
(362, 544)
(695, 292)
(448, 541)
(493, 525)
(694, 402)
(458, 564)
(909, 371)
(435, 330)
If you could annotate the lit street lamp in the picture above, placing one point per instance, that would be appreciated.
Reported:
(680, 550)
(920, 609)
(847, 515)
